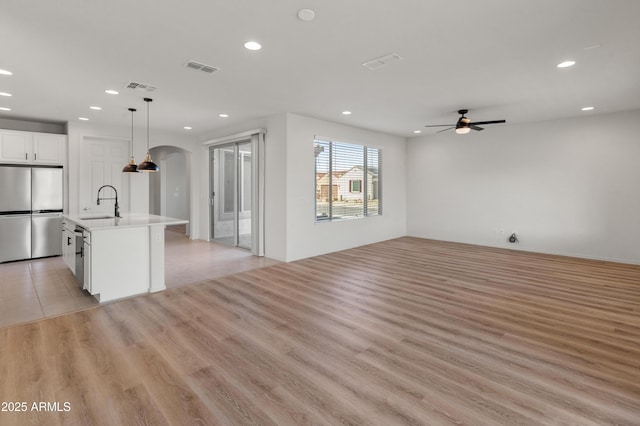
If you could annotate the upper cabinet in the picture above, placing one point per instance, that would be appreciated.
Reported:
(48, 148)
(16, 147)
(31, 147)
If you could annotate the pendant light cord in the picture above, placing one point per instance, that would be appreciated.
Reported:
(131, 144)
(148, 100)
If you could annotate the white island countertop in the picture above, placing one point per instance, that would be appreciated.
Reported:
(96, 223)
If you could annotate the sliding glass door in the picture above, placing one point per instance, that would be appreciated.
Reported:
(232, 193)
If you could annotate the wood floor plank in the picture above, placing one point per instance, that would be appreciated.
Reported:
(404, 332)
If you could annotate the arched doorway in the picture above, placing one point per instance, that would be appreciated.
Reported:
(170, 190)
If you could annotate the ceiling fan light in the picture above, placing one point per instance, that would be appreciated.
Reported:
(463, 130)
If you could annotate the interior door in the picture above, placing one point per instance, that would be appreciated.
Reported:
(101, 164)
(231, 194)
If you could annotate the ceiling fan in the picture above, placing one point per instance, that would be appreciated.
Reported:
(464, 124)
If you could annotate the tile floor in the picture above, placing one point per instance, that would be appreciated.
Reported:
(40, 288)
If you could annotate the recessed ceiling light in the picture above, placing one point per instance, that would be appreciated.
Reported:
(5, 109)
(346, 112)
(5, 72)
(111, 92)
(566, 64)
(252, 45)
(223, 115)
(187, 127)
(417, 131)
(589, 108)
(5, 94)
(83, 118)
(306, 14)
(97, 108)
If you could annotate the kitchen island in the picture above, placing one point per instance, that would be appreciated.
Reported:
(117, 257)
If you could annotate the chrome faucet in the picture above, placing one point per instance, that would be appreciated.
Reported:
(116, 212)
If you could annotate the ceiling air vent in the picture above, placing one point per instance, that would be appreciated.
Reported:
(382, 61)
(201, 67)
(141, 87)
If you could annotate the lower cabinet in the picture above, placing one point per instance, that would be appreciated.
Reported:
(69, 246)
(116, 262)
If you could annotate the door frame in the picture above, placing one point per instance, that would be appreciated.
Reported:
(257, 138)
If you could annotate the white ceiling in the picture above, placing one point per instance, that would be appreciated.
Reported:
(496, 57)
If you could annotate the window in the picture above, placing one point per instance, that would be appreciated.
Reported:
(347, 180)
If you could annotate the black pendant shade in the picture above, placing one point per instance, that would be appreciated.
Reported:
(131, 167)
(148, 165)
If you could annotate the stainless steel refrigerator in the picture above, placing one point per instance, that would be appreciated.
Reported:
(30, 212)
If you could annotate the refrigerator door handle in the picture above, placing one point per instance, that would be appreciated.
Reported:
(15, 213)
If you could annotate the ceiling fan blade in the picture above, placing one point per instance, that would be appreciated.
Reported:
(488, 122)
(474, 127)
(444, 130)
(439, 125)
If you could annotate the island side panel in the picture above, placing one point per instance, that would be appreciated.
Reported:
(156, 253)
(119, 262)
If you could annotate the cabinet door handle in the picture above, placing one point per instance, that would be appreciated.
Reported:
(26, 156)
(35, 156)
(68, 241)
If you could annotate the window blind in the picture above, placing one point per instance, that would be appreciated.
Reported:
(347, 180)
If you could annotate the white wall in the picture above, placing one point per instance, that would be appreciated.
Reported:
(33, 126)
(569, 187)
(275, 209)
(307, 238)
(139, 183)
(170, 190)
(290, 229)
(176, 187)
(275, 181)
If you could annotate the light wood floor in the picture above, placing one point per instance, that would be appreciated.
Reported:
(43, 288)
(407, 331)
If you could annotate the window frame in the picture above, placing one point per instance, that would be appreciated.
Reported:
(370, 181)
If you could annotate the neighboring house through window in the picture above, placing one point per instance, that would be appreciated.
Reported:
(347, 180)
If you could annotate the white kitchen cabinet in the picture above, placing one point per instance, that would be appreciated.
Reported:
(122, 256)
(69, 245)
(32, 147)
(16, 147)
(48, 148)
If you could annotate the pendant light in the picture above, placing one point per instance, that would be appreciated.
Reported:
(148, 165)
(132, 167)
